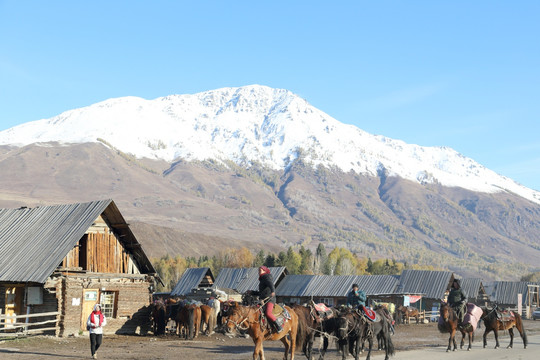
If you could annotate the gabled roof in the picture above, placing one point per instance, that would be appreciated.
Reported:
(506, 292)
(335, 285)
(244, 279)
(191, 278)
(431, 284)
(472, 287)
(33, 241)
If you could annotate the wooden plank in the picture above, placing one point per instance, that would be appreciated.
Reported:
(52, 313)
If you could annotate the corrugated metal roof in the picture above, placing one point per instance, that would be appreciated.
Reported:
(506, 292)
(191, 278)
(335, 286)
(471, 287)
(244, 279)
(33, 241)
(432, 284)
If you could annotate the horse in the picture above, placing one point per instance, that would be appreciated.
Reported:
(407, 313)
(309, 324)
(448, 323)
(194, 320)
(381, 330)
(493, 323)
(352, 329)
(182, 320)
(329, 329)
(159, 317)
(207, 318)
(250, 318)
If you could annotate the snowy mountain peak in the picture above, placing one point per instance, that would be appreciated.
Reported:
(255, 123)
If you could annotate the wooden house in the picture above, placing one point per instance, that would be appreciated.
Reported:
(57, 262)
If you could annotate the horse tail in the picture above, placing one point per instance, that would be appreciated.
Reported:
(521, 329)
(302, 328)
(191, 322)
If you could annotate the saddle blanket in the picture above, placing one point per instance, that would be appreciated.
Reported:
(506, 315)
(473, 315)
(368, 313)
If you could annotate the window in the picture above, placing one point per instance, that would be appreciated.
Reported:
(108, 303)
(327, 301)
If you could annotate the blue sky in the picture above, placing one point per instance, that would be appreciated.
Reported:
(462, 74)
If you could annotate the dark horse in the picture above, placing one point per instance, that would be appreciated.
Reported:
(448, 323)
(159, 317)
(250, 318)
(352, 330)
(493, 323)
(382, 329)
(308, 325)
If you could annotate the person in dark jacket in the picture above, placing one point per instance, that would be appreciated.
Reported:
(457, 299)
(356, 298)
(267, 293)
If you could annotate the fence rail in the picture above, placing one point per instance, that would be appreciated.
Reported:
(10, 326)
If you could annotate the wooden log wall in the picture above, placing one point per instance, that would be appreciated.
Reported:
(104, 254)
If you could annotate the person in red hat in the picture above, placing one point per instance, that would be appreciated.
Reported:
(267, 293)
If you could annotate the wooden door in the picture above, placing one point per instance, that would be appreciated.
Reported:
(89, 299)
(14, 303)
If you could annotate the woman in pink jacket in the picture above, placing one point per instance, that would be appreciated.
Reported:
(96, 322)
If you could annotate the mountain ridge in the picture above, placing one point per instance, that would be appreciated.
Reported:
(256, 124)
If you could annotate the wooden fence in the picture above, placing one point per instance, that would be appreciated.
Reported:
(10, 325)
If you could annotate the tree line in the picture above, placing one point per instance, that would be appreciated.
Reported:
(298, 260)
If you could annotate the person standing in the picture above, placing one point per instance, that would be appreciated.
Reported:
(267, 292)
(96, 322)
(356, 298)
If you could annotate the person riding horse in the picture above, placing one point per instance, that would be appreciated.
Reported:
(356, 298)
(457, 300)
(267, 292)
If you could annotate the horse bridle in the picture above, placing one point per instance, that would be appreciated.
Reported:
(237, 325)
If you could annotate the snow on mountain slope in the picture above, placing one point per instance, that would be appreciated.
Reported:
(255, 123)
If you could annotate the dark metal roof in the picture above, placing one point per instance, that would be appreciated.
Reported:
(506, 292)
(244, 279)
(472, 287)
(33, 241)
(191, 278)
(335, 286)
(431, 284)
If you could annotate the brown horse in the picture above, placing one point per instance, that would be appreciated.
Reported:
(448, 323)
(207, 318)
(493, 323)
(309, 324)
(407, 313)
(182, 320)
(250, 318)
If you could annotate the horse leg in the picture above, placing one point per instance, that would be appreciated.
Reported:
(486, 331)
(370, 343)
(511, 332)
(258, 352)
(470, 340)
(324, 339)
(287, 344)
(462, 340)
(496, 338)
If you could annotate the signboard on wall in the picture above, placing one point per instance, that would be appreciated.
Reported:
(90, 295)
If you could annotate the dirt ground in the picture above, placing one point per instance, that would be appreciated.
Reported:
(219, 346)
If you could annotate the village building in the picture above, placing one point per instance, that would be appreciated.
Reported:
(62, 260)
(475, 291)
(332, 290)
(515, 295)
(243, 279)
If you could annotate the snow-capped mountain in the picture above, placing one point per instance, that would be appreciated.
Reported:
(255, 123)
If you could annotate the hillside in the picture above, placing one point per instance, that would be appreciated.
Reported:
(260, 167)
(197, 208)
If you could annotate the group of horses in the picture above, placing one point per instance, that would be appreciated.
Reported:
(348, 327)
(189, 318)
(493, 319)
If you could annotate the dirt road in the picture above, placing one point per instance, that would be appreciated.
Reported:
(412, 342)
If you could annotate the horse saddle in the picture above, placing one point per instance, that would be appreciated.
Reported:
(369, 314)
(506, 315)
(323, 311)
(278, 310)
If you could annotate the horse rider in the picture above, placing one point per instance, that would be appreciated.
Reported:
(356, 298)
(457, 300)
(267, 292)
